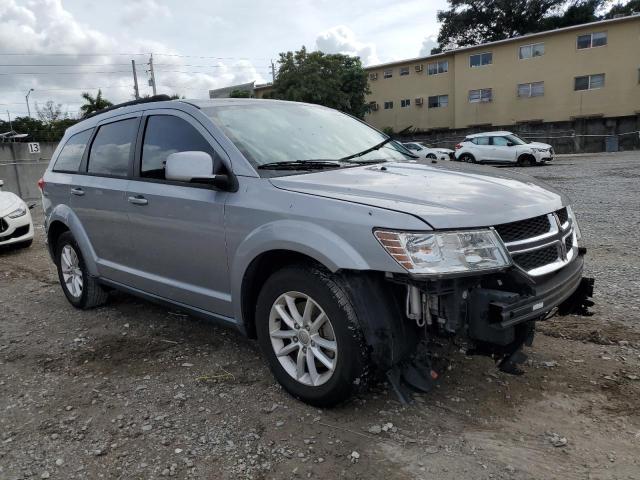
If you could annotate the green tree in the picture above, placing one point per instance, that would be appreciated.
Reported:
(50, 112)
(238, 93)
(333, 80)
(38, 130)
(93, 104)
(470, 22)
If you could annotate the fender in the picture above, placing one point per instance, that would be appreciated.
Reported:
(310, 239)
(63, 213)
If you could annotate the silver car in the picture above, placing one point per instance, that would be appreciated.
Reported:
(308, 229)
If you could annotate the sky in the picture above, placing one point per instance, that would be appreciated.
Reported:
(61, 48)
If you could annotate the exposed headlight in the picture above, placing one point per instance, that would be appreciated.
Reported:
(18, 213)
(441, 253)
(574, 222)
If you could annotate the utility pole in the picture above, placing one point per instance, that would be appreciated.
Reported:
(152, 80)
(273, 72)
(27, 98)
(10, 125)
(136, 92)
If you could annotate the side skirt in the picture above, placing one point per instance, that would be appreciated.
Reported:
(193, 311)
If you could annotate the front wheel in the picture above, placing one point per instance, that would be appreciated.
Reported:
(308, 331)
(82, 290)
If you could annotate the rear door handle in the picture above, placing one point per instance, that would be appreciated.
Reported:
(138, 200)
(77, 191)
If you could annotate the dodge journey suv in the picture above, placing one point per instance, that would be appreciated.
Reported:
(312, 232)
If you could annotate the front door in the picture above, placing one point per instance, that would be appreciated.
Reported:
(502, 152)
(98, 195)
(177, 229)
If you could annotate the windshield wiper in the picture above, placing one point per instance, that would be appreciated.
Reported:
(299, 165)
(368, 150)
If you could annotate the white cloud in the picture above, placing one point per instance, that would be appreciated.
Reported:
(44, 29)
(137, 11)
(341, 39)
(428, 43)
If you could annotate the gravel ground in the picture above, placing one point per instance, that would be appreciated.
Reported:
(132, 390)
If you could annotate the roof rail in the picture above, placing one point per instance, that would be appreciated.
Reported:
(154, 98)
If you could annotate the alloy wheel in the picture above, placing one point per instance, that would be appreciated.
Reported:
(71, 272)
(302, 338)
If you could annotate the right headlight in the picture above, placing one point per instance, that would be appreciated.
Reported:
(441, 253)
(21, 211)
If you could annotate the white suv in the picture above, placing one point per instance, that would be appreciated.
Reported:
(502, 147)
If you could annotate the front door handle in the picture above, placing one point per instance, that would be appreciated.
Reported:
(138, 200)
(77, 191)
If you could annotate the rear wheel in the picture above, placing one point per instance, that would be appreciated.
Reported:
(307, 330)
(468, 158)
(82, 290)
(431, 156)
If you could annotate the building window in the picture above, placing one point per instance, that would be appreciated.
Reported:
(388, 73)
(480, 95)
(388, 105)
(480, 59)
(589, 82)
(530, 51)
(405, 103)
(439, 101)
(438, 67)
(404, 71)
(534, 89)
(591, 40)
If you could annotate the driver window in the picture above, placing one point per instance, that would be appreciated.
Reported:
(500, 141)
(166, 134)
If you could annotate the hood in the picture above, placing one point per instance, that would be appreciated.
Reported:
(444, 195)
(539, 145)
(8, 203)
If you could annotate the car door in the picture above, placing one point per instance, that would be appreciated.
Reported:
(482, 149)
(177, 228)
(98, 194)
(502, 151)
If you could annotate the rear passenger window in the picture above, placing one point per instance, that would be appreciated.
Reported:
(481, 141)
(164, 135)
(112, 147)
(72, 152)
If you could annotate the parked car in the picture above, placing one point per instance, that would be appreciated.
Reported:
(502, 147)
(429, 152)
(16, 226)
(338, 256)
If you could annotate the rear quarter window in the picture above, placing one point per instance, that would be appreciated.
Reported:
(71, 154)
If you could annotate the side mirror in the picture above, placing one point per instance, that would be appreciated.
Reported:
(510, 144)
(195, 167)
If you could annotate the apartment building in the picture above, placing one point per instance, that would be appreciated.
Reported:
(585, 71)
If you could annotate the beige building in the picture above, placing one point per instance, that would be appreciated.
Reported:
(590, 70)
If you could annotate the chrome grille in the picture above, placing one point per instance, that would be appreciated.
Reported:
(542, 244)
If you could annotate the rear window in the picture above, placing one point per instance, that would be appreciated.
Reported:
(112, 148)
(72, 152)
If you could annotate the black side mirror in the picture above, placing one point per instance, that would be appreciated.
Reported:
(32, 206)
(510, 144)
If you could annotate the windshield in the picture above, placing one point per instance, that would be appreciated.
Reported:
(516, 140)
(267, 132)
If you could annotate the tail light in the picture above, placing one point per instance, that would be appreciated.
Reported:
(41, 184)
(458, 146)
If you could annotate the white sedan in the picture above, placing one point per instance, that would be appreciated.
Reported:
(429, 152)
(16, 226)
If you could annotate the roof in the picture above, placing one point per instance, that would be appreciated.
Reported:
(520, 38)
(498, 133)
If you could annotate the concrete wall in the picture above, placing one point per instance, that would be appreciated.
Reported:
(20, 170)
(619, 60)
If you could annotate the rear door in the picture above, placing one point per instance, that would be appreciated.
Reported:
(482, 148)
(177, 228)
(98, 193)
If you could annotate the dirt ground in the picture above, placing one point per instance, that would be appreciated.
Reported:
(132, 390)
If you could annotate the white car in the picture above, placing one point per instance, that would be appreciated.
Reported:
(16, 226)
(502, 147)
(424, 151)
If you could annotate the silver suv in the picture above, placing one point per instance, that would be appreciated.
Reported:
(309, 230)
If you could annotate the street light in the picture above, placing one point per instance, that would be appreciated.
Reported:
(27, 98)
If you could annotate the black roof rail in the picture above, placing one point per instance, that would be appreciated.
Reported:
(154, 98)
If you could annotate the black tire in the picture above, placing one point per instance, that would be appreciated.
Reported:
(526, 161)
(431, 156)
(92, 294)
(350, 372)
(467, 158)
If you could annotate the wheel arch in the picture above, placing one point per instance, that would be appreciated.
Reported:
(526, 156)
